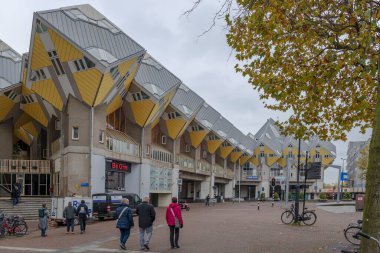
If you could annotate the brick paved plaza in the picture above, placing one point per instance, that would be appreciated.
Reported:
(221, 228)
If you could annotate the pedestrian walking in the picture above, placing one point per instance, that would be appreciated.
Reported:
(82, 213)
(208, 200)
(174, 221)
(69, 214)
(124, 222)
(147, 215)
(14, 195)
(43, 216)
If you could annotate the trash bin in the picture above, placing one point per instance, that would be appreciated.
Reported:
(359, 203)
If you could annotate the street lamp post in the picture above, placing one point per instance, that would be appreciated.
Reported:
(339, 180)
(298, 183)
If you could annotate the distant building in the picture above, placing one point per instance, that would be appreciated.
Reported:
(354, 173)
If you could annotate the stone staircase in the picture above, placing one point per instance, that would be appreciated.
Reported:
(27, 207)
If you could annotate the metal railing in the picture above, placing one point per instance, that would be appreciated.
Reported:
(24, 166)
(186, 163)
(220, 171)
(160, 154)
(122, 147)
(204, 166)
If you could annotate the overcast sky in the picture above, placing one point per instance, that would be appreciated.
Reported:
(204, 64)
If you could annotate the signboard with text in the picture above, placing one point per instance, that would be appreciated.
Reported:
(117, 165)
(314, 170)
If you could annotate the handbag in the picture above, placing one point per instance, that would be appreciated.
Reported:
(176, 220)
(121, 215)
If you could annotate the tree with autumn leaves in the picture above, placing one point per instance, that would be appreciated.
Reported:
(319, 60)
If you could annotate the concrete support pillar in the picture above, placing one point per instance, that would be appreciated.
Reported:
(205, 187)
(228, 190)
(195, 190)
(175, 175)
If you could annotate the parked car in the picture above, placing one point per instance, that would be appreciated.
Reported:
(105, 204)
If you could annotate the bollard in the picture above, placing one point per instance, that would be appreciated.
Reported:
(258, 205)
(272, 203)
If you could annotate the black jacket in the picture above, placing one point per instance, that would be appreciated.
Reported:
(146, 214)
(85, 214)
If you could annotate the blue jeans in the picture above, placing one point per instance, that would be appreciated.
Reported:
(15, 201)
(43, 232)
(124, 235)
(144, 240)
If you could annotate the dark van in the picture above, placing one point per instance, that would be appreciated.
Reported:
(105, 204)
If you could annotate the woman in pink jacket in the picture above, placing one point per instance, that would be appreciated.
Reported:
(174, 220)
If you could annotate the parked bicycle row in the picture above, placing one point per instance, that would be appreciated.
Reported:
(12, 225)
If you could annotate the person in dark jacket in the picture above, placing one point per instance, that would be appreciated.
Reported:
(69, 214)
(147, 215)
(174, 221)
(124, 221)
(82, 213)
(14, 195)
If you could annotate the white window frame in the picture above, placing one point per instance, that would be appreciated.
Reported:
(187, 148)
(73, 131)
(57, 125)
(101, 136)
(164, 140)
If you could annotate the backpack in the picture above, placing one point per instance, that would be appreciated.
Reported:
(41, 213)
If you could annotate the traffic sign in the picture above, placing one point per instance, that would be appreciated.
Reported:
(179, 181)
(344, 176)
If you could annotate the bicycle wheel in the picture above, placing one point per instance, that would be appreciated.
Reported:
(351, 234)
(309, 218)
(20, 229)
(287, 217)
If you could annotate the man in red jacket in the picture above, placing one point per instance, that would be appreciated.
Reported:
(174, 220)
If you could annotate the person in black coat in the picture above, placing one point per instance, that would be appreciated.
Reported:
(82, 213)
(147, 215)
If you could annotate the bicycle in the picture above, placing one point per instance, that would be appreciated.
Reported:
(360, 233)
(308, 217)
(351, 232)
(13, 225)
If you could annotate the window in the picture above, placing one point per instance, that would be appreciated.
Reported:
(317, 154)
(136, 96)
(204, 154)
(163, 139)
(101, 136)
(290, 153)
(38, 75)
(75, 133)
(27, 99)
(40, 28)
(271, 155)
(225, 144)
(196, 128)
(187, 148)
(83, 64)
(57, 124)
(262, 154)
(56, 63)
(173, 115)
(115, 73)
(212, 137)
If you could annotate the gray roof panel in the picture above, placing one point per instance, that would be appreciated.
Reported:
(207, 116)
(187, 101)
(89, 33)
(155, 78)
(222, 127)
(10, 66)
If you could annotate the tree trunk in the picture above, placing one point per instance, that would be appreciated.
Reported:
(371, 216)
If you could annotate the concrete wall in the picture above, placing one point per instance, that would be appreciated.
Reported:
(6, 137)
(205, 188)
(228, 190)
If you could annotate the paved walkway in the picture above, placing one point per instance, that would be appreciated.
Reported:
(221, 228)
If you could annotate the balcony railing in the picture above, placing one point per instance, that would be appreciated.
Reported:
(161, 154)
(24, 166)
(121, 143)
(186, 163)
(220, 171)
(204, 166)
(230, 174)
